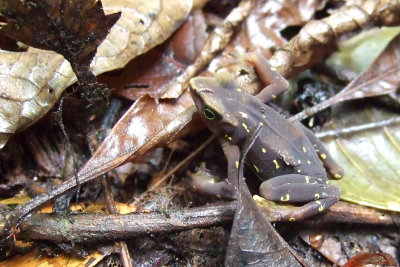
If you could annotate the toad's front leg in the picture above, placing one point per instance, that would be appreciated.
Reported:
(226, 189)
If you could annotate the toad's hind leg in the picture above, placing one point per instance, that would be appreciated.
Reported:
(296, 188)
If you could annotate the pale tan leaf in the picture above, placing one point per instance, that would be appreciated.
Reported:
(34, 258)
(32, 81)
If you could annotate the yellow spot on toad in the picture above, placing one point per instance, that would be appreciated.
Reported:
(228, 137)
(264, 116)
(218, 196)
(299, 171)
(323, 156)
(276, 163)
(285, 198)
(299, 161)
(261, 123)
(273, 96)
(292, 219)
(264, 150)
(237, 164)
(309, 162)
(307, 179)
(245, 127)
(338, 176)
(238, 89)
(304, 149)
(256, 168)
(316, 196)
(321, 208)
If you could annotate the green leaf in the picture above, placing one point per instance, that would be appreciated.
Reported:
(370, 157)
(358, 52)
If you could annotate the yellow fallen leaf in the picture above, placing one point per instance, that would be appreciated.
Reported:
(32, 260)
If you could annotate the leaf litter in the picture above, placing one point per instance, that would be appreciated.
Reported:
(117, 159)
(44, 74)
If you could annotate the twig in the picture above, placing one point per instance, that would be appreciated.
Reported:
(99, 227)
(358, 128)
(183, 162)
(112, 209)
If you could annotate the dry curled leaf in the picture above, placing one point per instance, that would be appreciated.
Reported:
(265, 23)
(318, 37)
(32, 81)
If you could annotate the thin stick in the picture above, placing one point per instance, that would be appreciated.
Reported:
(183, 162)
(358, 128)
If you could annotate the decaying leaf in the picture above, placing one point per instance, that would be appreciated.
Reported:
(265, 23)
(358, 52)
(365, 258)
(339, 244)
(370, 158)
(32, 81)
(150, 73)
(73, 29)
(318, 37)
(381, 78)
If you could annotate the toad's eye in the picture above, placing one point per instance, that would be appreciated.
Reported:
(209, 114)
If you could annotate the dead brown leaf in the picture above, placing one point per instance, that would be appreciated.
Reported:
(73, 29)
(381, 78)
(32, 81)
(338, 239)
(151, 72)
